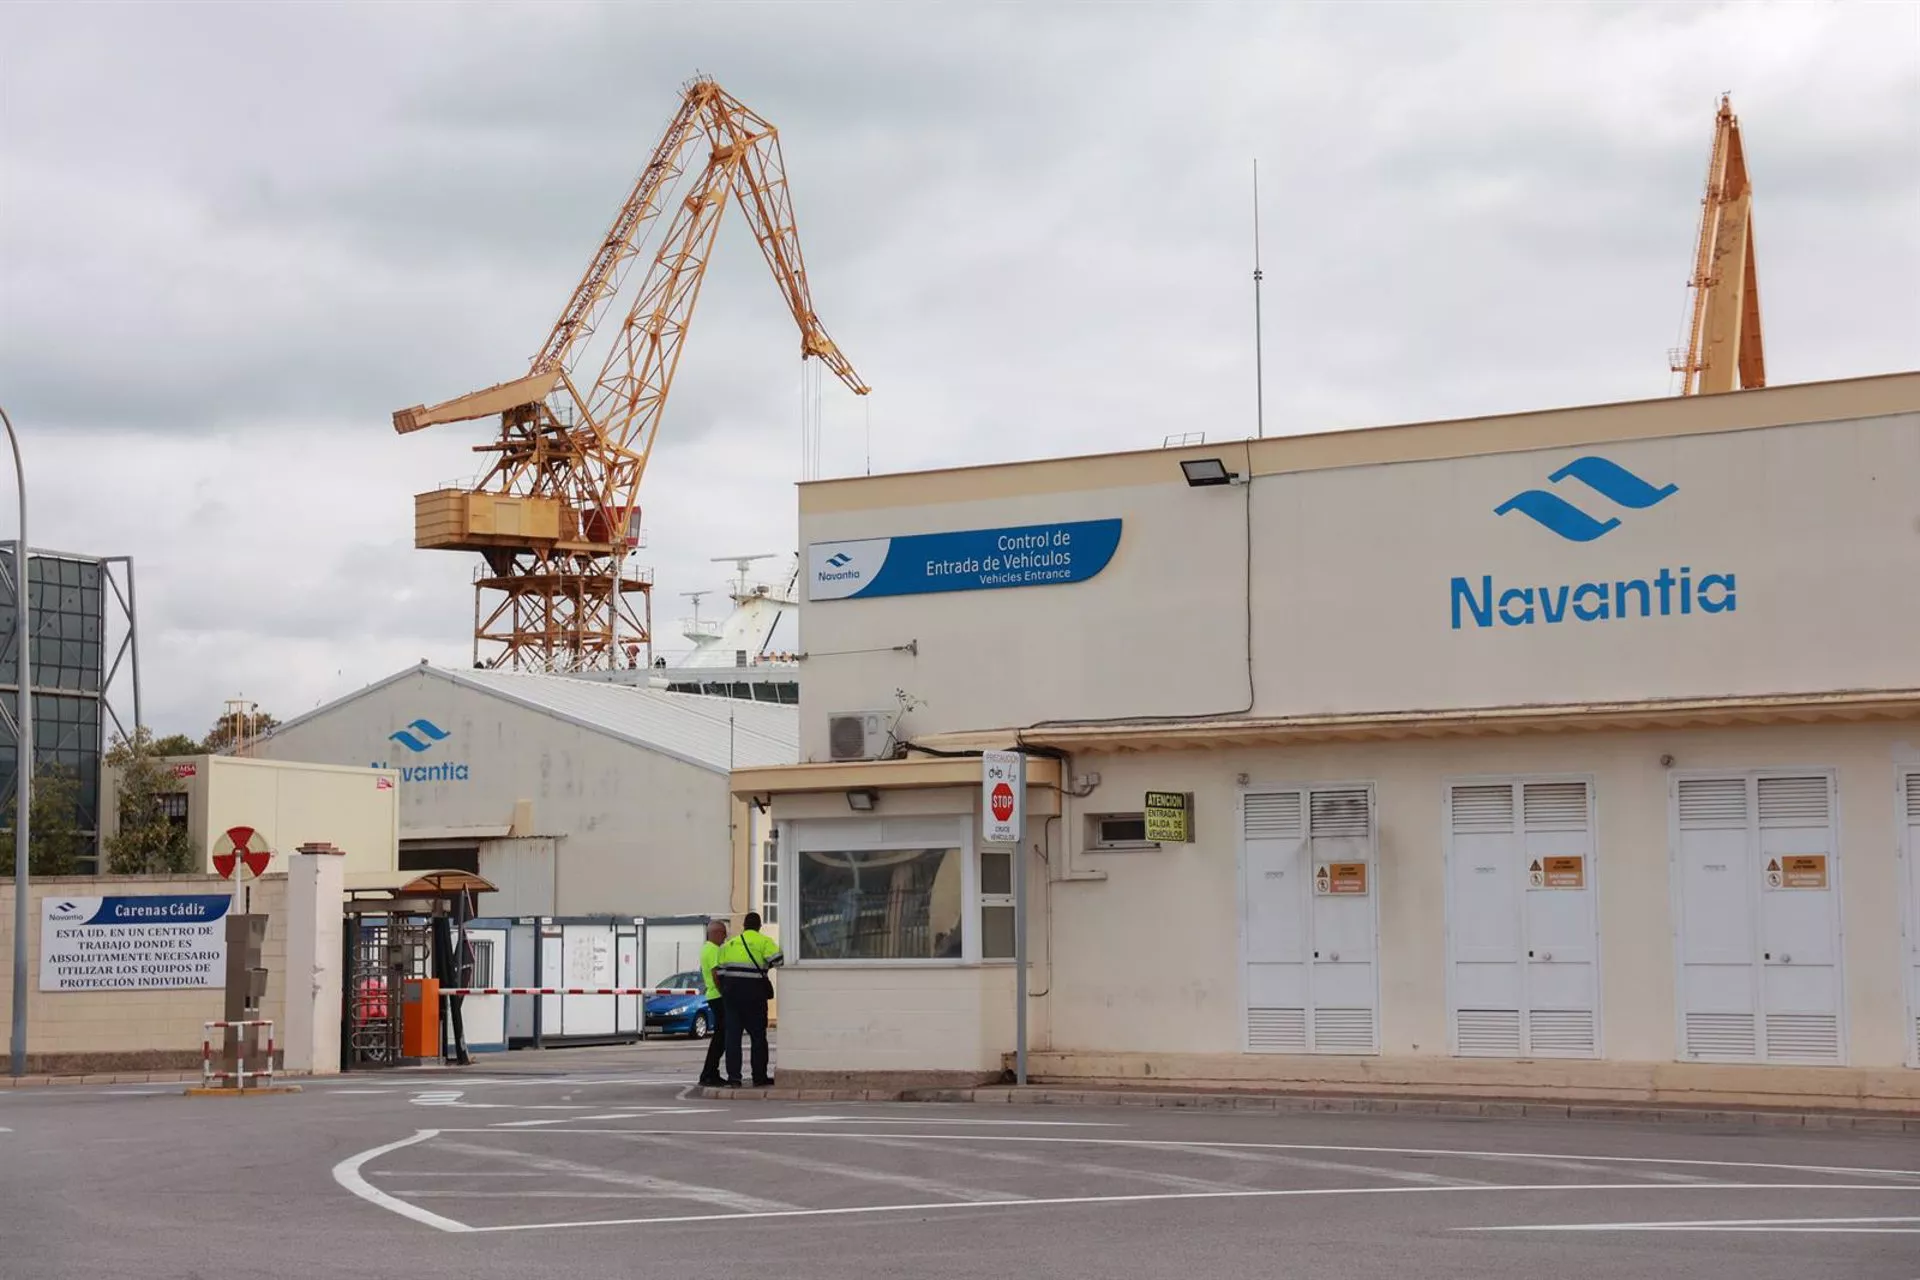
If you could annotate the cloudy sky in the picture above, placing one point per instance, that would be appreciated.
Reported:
(234, 238)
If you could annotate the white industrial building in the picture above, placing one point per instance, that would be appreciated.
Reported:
(1570, 754)
(575, 798)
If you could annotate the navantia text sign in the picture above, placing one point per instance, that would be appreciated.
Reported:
(1003, 797)
(133, 943)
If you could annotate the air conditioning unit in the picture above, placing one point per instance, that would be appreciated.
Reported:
(857, 735)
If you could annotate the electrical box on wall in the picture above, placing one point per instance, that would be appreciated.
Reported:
(858, 735)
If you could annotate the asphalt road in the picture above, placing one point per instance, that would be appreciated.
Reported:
(590, 1163)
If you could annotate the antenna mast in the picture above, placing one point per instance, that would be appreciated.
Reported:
(1259, 378)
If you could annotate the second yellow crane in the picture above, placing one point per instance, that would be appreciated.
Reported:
(1724, 351)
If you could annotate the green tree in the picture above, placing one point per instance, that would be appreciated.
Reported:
(176, 744)
(235, 725)
(148, 842)
(58, 841)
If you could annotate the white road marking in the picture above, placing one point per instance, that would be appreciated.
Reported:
(540, 1195)
(1249, 1193)
(1587, 1166)
(1337, 1166)
(4, 1129)
(1802, 1226)
(1161, 1144)
(347, 1174)
(1179, 1182)
(637, 1181)
(1037, 1124)
(350, 1093)
(644, 1113)
(852, 1172)
(450, 1173)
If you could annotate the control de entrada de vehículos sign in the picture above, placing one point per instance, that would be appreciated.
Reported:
(133, 943)
(962, 560)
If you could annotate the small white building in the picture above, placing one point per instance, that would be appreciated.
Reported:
(1573, 754)
(575, 798)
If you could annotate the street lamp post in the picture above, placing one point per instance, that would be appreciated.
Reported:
(23, 766)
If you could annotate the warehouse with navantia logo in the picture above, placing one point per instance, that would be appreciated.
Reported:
(1492, 742)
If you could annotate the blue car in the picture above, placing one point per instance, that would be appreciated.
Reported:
(680, 1015)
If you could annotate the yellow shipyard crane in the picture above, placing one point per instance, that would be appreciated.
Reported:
(556, 513)
(1724, 351)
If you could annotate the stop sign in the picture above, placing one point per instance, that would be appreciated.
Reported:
(1002, 801)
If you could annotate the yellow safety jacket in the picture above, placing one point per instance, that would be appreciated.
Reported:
(710, 956)
(739, 953)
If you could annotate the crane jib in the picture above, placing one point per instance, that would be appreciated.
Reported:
(557, 512)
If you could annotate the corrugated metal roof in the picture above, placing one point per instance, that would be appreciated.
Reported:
(715, 733)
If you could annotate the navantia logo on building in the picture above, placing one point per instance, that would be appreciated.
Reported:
(1603, 496)
(422, 737)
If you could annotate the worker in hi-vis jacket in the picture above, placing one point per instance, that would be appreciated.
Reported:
(716, 1006)
(745, 959)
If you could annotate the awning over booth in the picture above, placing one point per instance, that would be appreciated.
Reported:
(392, 886)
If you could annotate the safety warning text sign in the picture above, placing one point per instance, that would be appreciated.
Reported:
(1169, 817)
(1340, 878)
(1562, 872)
(133, 943)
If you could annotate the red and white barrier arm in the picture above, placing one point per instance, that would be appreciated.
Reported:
(569, 991)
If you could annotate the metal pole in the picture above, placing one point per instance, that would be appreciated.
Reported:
(1020, 959)
(133, 630)
(22, 767)
(1259, 374)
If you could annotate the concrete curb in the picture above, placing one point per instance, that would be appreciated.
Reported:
(125, 1077)
(1298, 1104)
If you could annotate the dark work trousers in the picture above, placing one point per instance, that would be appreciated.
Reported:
(717, 1019)
(746, 1014)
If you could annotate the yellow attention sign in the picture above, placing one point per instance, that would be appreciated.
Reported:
(1169, 817)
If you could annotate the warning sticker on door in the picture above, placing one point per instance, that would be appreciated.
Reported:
(1568, 872)
(1340, 878)
(1797, 871)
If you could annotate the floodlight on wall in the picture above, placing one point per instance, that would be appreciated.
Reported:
(862, 800)
(1202, 472)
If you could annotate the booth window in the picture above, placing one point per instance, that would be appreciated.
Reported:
(173, 805)
(881, 904)
(482, 962)
(996, 904)
(1110, 831)
(770, 881)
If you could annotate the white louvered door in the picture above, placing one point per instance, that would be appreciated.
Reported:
(1910, 810)
(1759, 919)
(1563, 948)
(1484, 883)
(1310, 927)
(1274, 920)
(1522, 942)
(1343, 961)
(1799, 924)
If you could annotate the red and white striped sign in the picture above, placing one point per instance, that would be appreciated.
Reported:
(569, 991)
